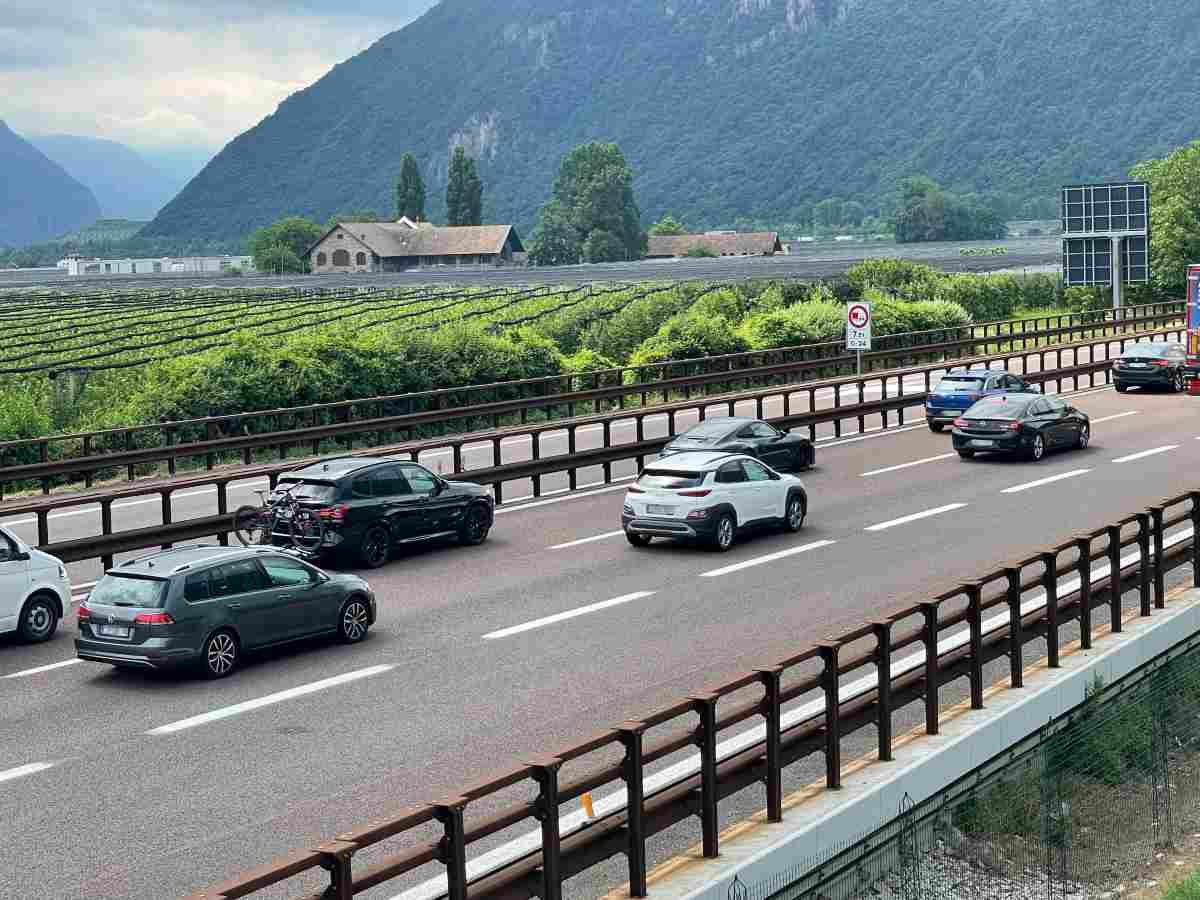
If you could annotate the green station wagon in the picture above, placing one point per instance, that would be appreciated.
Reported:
(206, 606)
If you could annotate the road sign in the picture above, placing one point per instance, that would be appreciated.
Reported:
(858, 326)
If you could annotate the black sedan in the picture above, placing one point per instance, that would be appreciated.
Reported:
(1020, 425)
(1162, 364)
(778, 449)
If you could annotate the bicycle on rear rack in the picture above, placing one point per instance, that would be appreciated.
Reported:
(284, 516)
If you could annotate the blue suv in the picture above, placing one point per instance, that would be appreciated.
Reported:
(960, 388)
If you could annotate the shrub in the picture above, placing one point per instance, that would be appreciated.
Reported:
(23, 414)
(586, 360)
(986, 297)
(699, 251)
(806, 323)
(898, 274)
(689, 335)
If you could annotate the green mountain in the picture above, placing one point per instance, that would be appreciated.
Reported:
(726, 109)
(38, 200)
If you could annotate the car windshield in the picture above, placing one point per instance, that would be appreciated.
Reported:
(1136, 351)
(707, 431)
(953, 384)
(668, 480)
(997, 408)
(128, 590)
(319, 491)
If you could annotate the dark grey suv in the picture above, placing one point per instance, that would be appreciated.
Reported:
(207, 605)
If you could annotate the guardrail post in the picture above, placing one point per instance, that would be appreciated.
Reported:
(223, 510)
(1144, 563)
(105, 529)
(89, 475)
(1083, 546)
(452, 849)
(929, 609)
(535, 445)
(771, 712)
(1114, 576)
(975, 623)
(1016, 640)
(883, 685)
(1195, 496)
(833, 714)
(545, 773)
(1049, 561)
(165, 495)
(1160, 588)
(633, 775)
(705, 706)
(335, 859)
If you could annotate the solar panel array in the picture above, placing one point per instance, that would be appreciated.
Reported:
(1092, 216)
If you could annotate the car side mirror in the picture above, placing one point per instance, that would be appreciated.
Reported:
(22, 557)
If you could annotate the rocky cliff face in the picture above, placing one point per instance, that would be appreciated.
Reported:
(725, 108)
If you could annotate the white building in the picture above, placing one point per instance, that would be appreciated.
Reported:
(167, 265)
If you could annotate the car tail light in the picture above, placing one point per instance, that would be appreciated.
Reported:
(84, 614)
(974, 396)
(634, 489)
(960, 423)
(1161, 362)
(154, 618)
(334, 513)
(1014, 426)
(703, 493)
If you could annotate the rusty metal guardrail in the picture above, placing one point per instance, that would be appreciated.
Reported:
(109, 543)
(85, 454)
(952, 640)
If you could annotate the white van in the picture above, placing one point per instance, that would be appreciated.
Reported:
(34, 589)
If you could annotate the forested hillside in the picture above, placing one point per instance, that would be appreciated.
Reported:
(727, 110)
(38, 200)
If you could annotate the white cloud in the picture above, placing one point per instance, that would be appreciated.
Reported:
(158, 74)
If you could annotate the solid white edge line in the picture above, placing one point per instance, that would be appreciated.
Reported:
(238, 709)
(1132, 412)
(610, 803)
(1145, 453)
(907, 465)
(770, 557)
(570, 495)
(569, 614)
(883, 526)
(1016, 489)
(588, 540)
(38, 669)
(22, 771)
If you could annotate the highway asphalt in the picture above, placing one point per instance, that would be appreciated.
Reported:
(143, 786)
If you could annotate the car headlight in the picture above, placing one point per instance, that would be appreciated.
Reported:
(627, 509)
(62, 572)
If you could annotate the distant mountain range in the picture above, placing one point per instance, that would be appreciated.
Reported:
(38, 199)
(726, 109)
(126, 184)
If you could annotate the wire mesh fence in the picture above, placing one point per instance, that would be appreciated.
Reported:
(1074, 812)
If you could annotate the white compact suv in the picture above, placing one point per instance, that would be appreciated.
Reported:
(710, 496)
(34, 589)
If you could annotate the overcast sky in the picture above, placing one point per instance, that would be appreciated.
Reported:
(168, 73)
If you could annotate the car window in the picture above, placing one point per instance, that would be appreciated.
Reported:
(239, 577)
(360, 487)
(196, 588)
(319, 491)
(763, 430)
(755, 472)
(7, 548)
(997, 408)
(731, 473)
(285, 572)
(386, 482)
(669, 480)
(709, 428)
(953, 384)
(128, 590)
(1039, 408)
(1054, 405)
(420, 480)
(1144, 350)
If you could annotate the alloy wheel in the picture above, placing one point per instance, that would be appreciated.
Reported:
(38, 620)
(1178, 383)
(725, 533)
(1039, 447)
(795, 514)
(221, 655)
(355, 620)
(1085, 435)
(375, 548)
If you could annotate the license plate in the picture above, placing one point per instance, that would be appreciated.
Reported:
(114, 631)
(982, 443)
(952, 412)
(1138, 366)
(284, 514)
(653, 509)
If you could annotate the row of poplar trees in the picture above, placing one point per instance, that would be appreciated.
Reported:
(464, 193)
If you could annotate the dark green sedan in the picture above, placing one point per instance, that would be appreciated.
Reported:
(1020, 425)
(207, 606)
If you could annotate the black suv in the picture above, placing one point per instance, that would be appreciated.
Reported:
(370, 503)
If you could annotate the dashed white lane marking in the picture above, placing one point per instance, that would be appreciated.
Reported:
(1132, 412)
(1145, 453)
(1016, 489)
(238, 709)
(22, 771)
(770, 557)
(907, 465)
(46, 668)
(570, 614)
(588, 540)
(883, 526)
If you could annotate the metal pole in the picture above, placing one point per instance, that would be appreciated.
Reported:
(858, 354)
(1117, 274)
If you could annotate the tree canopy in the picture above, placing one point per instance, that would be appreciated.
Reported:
(410, 190)
(281, 246)
(593, 198)
(1174, 214)
(927, 213)
(464, 191)
(668, 225)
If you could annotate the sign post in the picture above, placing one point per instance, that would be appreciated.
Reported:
(1193, 326)
(1106, 235)
(858, 329)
